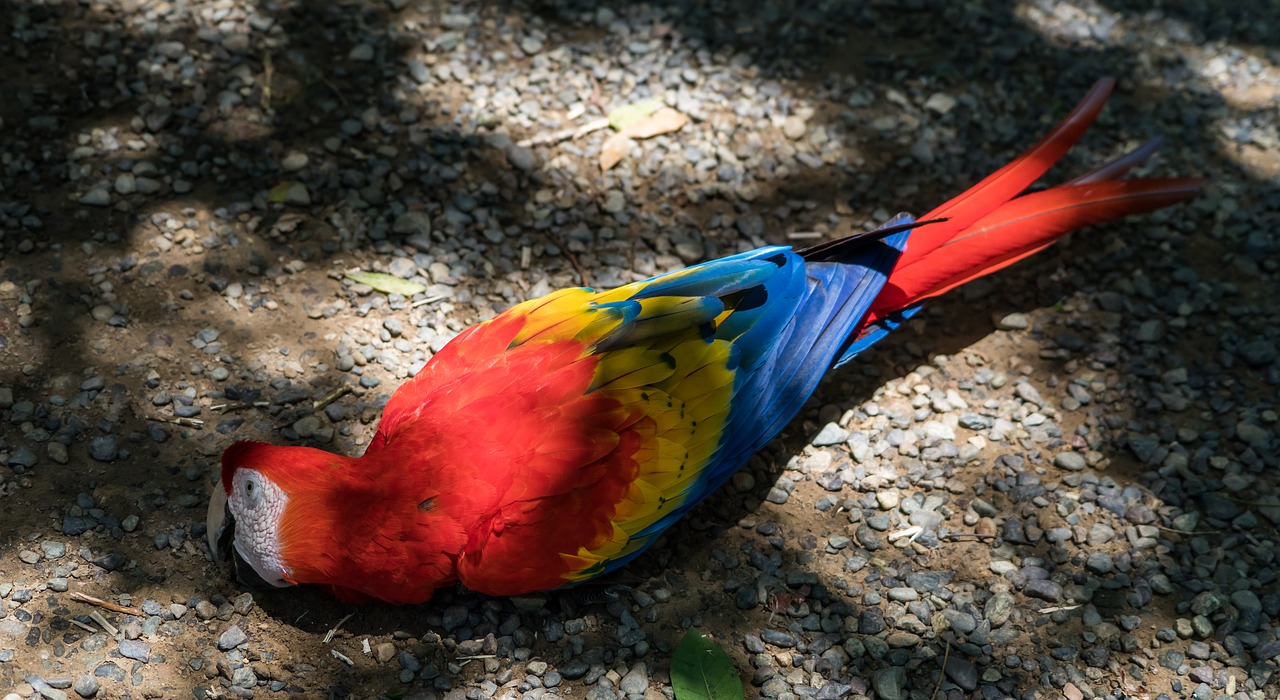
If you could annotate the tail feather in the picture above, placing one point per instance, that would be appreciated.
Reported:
(1121, 165)
(1009, 181)
(1023, 227)
(995, 224)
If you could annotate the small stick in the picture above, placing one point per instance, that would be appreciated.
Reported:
(473, 657)
(268, 68)
(331, 397)
(975, 535)
(572, 132)
(573, 259)
(803, 235)
(336, 92)
(83, 626)
(239, 406)
(1189, 532)
(342, 657)
(942, 672)
(113, 607)
(328, 637)
(178, 420)
(1063, 608)
(1261, 504)
(428, 300)
(107, 626)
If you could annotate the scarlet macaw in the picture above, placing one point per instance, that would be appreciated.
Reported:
(558, 440)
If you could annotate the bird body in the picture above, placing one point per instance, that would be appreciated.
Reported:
(556, 441)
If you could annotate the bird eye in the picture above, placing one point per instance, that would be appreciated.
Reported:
(248, 488)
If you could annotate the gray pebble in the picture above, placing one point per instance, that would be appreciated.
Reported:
(890, 683)
(232, 638)
(521, 158)
(1014, 321)
(1044, 589)
(104, 448)
(1258, 353)
(1071, 461)
(86, 686)
(962, 672)
(636, 682)
(96, 197)
(23, 457)
(831, 434)
(778, 639)
(135, 649)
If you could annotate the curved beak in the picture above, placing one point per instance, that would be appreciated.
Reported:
(220, 533)
(220, 526)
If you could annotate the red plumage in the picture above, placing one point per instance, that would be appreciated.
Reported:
(555, 441)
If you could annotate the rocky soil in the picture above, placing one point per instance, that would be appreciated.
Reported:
(1059, 482)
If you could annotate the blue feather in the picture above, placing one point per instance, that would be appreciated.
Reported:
(792, 320)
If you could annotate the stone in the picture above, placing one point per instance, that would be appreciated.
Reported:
(232, 638)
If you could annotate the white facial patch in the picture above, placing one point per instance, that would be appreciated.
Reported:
(257, 505)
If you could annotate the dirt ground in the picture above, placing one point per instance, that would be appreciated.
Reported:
(140, 338)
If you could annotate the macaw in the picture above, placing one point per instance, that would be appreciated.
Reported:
(557, 441)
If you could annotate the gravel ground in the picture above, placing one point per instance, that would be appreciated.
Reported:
(1060, 482)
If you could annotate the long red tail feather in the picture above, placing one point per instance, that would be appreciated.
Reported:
(993, 225)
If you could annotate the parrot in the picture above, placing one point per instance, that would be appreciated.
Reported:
(557, 441)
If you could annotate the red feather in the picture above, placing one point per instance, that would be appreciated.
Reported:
(990, 226)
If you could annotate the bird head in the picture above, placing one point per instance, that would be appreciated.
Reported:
(246, 518)
(299, 515)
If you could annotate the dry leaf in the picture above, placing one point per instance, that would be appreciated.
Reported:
(613, 149)
(663, 121)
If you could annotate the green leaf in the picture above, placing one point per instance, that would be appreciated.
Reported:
(624, 115)
(387, 284)
(280, 193)
(701, 670)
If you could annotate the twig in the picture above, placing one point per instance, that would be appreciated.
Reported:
(268, 69)
(565, 134)
(597, 95)
(473, 657)
(239, 406)
(342, 657)
(573, 259)
(83, 626)
(1260, 504)
(1189, 532)
(331, 397)
(337, 92)
(942, 672)
(179, 420)
(113, 607)
(429, 300)
(102, 621)
(328, 637)
(975, 535)
(803, 235)
(1061, 608)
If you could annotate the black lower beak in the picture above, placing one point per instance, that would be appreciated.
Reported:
(225, 549)
(226, 537)
(246, 574)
